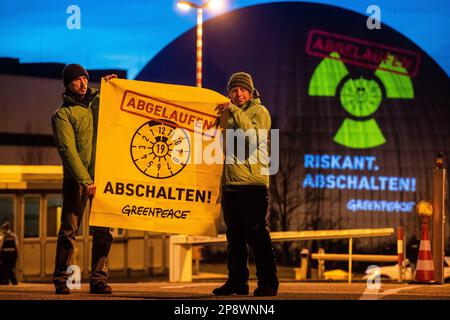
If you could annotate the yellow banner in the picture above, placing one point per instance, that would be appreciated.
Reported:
(147, 173)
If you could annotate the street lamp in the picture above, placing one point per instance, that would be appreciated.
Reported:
(185, 6)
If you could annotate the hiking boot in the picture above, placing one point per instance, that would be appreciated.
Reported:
(62, 289)
(230, 288)
(100, 288)
(266, 291)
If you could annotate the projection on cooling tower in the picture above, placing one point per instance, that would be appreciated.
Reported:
(360, 96)
(362, 113)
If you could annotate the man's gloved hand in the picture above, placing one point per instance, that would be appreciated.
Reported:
(110, 77)
(222, 107)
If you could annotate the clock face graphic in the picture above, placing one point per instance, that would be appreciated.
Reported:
(361, 97)
(160, 149)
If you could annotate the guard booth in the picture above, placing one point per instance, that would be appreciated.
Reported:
(30, 198)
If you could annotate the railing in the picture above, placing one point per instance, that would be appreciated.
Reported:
(180, 246)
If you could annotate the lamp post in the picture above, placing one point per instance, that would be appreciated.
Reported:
(186, 5)
(438, 222)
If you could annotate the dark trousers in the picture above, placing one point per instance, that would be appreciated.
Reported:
(8, 267)
(244, 209)
(74, 204)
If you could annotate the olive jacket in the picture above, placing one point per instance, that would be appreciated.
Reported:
(74, 126)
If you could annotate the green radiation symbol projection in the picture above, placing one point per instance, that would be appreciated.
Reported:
(360, 97)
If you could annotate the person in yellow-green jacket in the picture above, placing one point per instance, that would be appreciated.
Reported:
(245, 191)
(74, 127)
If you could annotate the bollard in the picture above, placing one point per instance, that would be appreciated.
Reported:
(304, 264)
(196, 257)
(400, 252)
(320, 265)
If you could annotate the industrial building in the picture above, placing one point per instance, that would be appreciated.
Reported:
(361, 115)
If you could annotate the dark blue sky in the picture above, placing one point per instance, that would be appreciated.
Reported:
(127, 34)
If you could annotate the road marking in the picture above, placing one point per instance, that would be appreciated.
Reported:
(394, 291)
(374, 294)
(370, 294)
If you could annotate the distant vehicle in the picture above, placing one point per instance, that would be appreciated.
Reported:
(337, 274)
(391, 272)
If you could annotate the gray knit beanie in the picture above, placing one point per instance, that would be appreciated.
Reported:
(243, 80)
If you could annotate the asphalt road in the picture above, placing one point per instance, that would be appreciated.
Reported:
(202, 291)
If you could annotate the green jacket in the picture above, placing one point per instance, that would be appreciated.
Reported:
(252, 115)
(74, 126)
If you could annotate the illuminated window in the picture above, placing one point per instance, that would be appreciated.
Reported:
(54, 209)
(32, 216)
(7, 209)
(117, 232)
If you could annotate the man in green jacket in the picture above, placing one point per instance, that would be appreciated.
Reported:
(245, 192)
(74, 127)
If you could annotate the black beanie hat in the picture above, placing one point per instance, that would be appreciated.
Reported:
(72, 71)
(243, 80)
